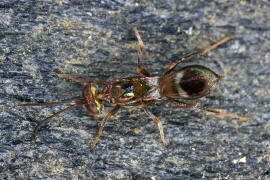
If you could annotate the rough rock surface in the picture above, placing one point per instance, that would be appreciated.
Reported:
(93, 39)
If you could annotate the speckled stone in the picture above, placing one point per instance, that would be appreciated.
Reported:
(94, 40)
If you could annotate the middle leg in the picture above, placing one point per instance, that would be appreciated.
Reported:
(157, 121)
(141, 50)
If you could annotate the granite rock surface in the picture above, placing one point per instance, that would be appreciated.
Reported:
(94, 40)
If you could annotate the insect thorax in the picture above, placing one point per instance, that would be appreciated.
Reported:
(133, 90)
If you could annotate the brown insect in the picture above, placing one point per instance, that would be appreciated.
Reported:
(190, 82)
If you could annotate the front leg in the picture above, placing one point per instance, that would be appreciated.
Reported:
(109, 114)
(81, 79)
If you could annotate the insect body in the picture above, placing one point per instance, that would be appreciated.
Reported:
(191, 82)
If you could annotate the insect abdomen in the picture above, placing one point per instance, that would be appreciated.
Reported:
(190, 82)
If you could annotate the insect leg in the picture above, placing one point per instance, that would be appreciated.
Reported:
(172, 65)
(141, 50)
(34, 135)
(157, 121)
(81, 79)
(111, 113)
(217, 111)
(50, 103)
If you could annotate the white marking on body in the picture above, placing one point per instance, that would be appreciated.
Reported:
(154, 92)
(177, 80)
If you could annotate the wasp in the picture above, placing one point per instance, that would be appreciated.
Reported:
(189, 83)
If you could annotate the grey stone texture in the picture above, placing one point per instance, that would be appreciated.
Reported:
(94, 40)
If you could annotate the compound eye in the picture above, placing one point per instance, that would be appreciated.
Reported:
(92, 105)
(92, 108)
(195, 81)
